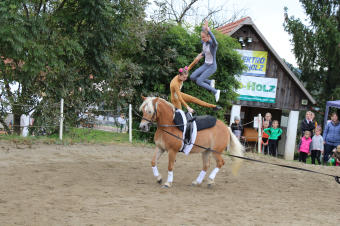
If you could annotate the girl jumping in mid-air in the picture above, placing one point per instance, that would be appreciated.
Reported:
(178, 98)
(201, 74)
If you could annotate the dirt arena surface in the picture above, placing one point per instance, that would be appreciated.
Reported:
(113, 185)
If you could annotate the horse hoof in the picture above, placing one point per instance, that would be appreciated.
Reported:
(210, 183)
(159, 179)
(195, 183)
(166, 185)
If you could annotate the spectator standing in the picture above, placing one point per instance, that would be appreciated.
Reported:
(122, 121)
(313, 120)
(317, 146)
(265, 137)
(331, 136)
(304, 146)
(268, 118)
(307, 124)
(236, 127)
(274, 132)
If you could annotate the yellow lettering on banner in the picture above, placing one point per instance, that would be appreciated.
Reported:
(260, 63)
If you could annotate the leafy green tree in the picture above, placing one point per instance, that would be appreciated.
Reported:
(170, 47)
(317, 46)
(60, 49)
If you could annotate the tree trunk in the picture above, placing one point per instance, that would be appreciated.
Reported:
(16, 123)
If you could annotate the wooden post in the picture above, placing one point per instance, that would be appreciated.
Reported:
(235, 111)
(130, 123)
(259, 129)
(61, 119)
(291, 135)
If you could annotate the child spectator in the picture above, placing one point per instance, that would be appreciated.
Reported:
(317, 145)
(274, 132)
(336, 155)
(236, 127)
(265, 137)
(307, 123)
(304, 147)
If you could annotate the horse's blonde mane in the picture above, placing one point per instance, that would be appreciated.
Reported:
(148, 106)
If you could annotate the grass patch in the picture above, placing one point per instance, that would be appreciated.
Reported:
(78, 136)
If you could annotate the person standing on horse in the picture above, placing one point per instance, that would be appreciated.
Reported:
(201, 74)
(178, 98)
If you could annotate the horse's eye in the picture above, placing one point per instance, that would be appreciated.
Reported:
(149, 112)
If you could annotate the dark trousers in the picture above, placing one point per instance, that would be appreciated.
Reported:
(327, 152)
(272, 144)
(265, 147)
(316, 154)
(303, 156)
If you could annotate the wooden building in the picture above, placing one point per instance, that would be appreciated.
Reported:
(268, 84)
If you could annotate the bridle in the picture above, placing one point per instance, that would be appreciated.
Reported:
(154, 115)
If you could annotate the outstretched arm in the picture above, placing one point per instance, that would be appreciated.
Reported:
(193, 63)
(206, 27)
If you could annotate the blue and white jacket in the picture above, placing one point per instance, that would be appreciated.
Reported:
(331, 134)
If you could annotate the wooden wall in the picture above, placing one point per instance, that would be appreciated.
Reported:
(288, 93)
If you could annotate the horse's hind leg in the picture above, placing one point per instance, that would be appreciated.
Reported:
(157, 155)
(219, 164)
(206, 163)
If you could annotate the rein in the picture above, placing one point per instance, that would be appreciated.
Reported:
(337, 178)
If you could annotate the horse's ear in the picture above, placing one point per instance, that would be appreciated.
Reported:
(143, 97)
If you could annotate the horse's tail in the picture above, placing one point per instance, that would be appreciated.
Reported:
(236, 148)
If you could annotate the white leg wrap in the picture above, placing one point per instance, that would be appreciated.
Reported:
(155, 171)
(170, 176)
(201, 177)
(213, 173)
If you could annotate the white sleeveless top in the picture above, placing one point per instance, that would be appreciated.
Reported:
(208, 56)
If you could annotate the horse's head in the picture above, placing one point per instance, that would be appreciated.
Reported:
(155, 109)
(149, 109)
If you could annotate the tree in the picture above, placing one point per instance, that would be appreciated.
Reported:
(50, 48)
(317, 46)
(170, 47)
(195, 12)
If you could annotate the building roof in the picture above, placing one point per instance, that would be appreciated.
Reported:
(231, 28)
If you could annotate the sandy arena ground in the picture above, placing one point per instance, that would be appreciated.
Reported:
(113, 185)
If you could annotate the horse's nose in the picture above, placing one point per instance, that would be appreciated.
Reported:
(143, 127)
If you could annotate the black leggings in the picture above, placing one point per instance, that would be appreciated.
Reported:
(303, 156)
(272, 144)
(265, 147)
(316, 154)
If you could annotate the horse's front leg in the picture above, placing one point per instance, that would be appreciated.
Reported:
(157, 155)
(172, 158)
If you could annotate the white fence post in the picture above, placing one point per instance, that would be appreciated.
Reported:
(61, 119)
(130, 123)
(259, 134)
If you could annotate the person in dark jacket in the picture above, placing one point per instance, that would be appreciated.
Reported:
(268, 118)
(331, 136)
(307, 124)
(236, 127)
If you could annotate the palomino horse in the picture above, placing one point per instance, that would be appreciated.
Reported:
(216, 139)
